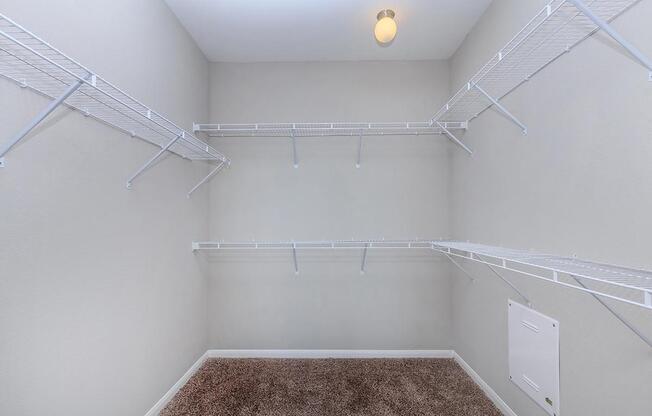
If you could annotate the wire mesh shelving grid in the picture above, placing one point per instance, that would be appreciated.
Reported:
(624, 284)
(33, 63)
(554, 31)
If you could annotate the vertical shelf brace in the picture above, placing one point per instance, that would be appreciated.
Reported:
(38, 119)
(295, 157)
(453, 138)
(363, 265)
(502, 108)
(152, 160)
(616, 314)
(602, 24)
(219, 167)
(357, 163)
(294, 257)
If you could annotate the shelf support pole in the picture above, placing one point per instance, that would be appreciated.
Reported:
(295, 157)
(152, 160)
(294, 257)
(602, 24)
(363, 265)
(616, 314)
(357, 163)
(510, 284)
(214, 172)
(453, 138)
(38, 119)
(502, 109)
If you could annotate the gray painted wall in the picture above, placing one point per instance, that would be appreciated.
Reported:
(102, 304)
(577, 184)
(400, 191)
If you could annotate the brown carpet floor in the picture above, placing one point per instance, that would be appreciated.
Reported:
(356, 387)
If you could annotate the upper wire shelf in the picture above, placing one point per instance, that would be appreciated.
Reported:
(555, 30)
(33, 63)
(353, 129)
(323, 245)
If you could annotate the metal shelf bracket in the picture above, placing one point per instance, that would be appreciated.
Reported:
(39, 118)
(357, 163)
(602, 24)
(616, 314)
(294, 257)
(295, 157)
(363, 265)
(214, 172)
(453, 138)
(150, 162)
(500, 107)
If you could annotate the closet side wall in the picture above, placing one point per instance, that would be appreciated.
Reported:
(102, 303)
(577, 184)
(399, 192)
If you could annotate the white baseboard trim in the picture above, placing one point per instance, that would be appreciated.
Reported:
(493, 396)
(330, 353)
(156, 409)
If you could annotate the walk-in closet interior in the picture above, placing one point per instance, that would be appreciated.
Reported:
(364, 208)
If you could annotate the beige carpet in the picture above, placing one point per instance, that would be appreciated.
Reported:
(377, 387)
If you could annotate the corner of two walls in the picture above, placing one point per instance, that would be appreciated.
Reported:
(102, 303)
(576, 185)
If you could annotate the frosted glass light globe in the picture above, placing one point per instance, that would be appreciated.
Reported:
(385, 30)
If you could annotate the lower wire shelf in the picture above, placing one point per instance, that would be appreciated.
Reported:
(628, 285)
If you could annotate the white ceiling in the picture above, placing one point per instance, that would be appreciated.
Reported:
(325, 30)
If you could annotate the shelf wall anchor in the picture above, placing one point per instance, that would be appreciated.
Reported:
(616, 314)
(602, 24)
(214, 172)
(453, 138)
(38, 119)
(502, 109)
(152, 160)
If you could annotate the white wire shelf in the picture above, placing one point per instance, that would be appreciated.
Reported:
(624, 284)
(33, 63)
(312, 245)
(325, 129)
(560, 26)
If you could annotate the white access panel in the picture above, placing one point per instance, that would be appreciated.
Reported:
(534, 355)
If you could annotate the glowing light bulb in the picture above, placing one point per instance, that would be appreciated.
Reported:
(385, 30)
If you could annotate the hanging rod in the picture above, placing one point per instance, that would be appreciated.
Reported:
(554, 31)
(32, 63)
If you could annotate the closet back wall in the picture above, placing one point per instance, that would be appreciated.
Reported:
(102, 304)
(399, 192)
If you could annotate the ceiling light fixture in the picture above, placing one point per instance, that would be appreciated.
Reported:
(385, 30)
